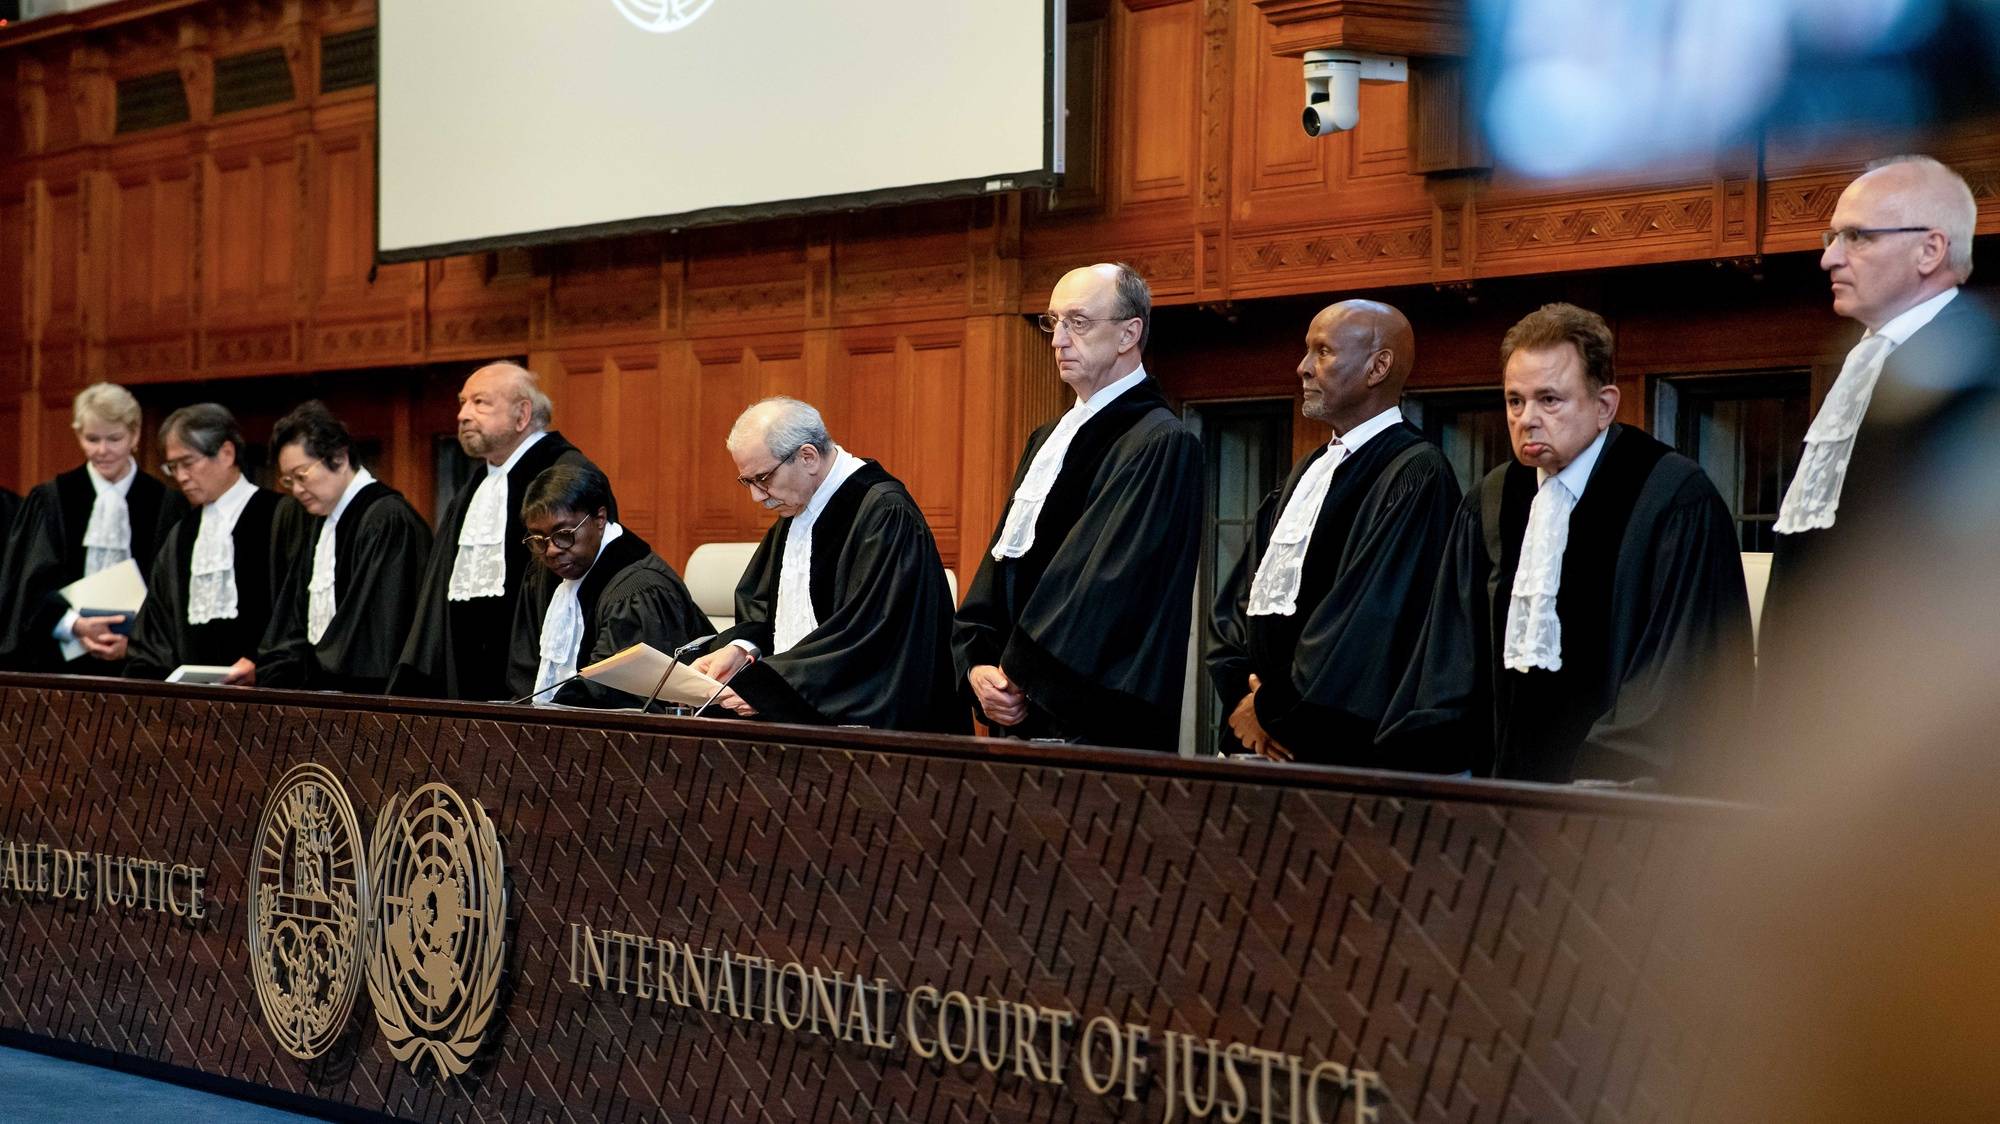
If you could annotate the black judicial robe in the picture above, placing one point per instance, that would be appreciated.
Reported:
(1092, 623)
(379, 551)
(629, 596)
(161, 637)
(1946, 372)
(458, 649)
(10, 506)
(45, 552)
(1329, 669)
(1655, 632)
(881, 655)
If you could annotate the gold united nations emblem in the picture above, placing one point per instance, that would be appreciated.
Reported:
(440, 908)
(308, 894)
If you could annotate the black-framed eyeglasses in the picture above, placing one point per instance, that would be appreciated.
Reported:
(173, 468)
(563, 537)
(763, 478)
(1048, 322)
(1856, 236)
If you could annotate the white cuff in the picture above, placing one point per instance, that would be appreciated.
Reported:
(756, 653)
(66, 628)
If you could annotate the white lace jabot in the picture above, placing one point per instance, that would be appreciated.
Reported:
(1534, 631)
(320, 587)
(107, 538)
(1017, 534)
(1275, 589)
(212, 574)
(562, 623)
(479, 569)
(793, 618)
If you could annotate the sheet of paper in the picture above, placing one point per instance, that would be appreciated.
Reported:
(198, 673)
(119, 589)
(637, 670)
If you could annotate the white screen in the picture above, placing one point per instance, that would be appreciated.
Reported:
(506, 119)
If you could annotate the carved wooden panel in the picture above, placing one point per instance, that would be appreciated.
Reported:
(250, 224)
(1158, 107)
(1484, 954)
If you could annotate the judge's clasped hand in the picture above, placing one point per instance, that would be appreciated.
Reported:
(719, 665)
(1003, 702)
(1243, 723)
(98, 639)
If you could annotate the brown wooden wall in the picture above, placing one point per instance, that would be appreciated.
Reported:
(238, 247)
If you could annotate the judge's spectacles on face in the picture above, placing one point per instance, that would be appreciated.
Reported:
(298, 475)
(1077, 325)
(1854, 237)
(171, 469)
(564, 538)
(764, 478)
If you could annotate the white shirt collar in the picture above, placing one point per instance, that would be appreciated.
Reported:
(514, 457)
(231, 503)
(845, 464)
(1905, 323)
(1354, 438)
(612, 531)
(1577, 473)
(1107, 395)
(362, 478)
(124, 485)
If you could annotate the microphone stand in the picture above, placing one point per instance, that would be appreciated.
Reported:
(545, 690)
(673, 661)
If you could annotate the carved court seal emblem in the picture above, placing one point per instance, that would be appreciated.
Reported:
(440, 911)
(308, 897)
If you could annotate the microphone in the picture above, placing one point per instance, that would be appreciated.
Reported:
(724, 685)
(545, 690)
(673, 660)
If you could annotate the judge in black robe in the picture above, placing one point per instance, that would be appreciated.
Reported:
(10, 506)
(46, 552)
(875, 650)
(1654, 619)
(200, 443)
(1078, 630)
(458, 648)
(626, 594)
(1943, 367)
(379, 547)
(1312, 684)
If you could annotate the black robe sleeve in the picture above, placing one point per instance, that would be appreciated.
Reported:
(757, 594)
(646, 604)
(882, 657)
(1355, 645)
(153, 648)
(1441, 717)
(31, 570)
(1687, 657)
(420, 667)
(1228, 655)
(376, 597)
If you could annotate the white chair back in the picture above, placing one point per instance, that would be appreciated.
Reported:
(711, 576)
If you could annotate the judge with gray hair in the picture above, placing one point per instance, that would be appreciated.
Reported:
(1897, 248)
(843, 616)
(457, 646)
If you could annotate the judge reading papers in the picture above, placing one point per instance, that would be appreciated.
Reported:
(345, 606)
(465, 612)
(212, 589)
(1591, 595)
(81, 523)
(598, 590)
(844, 606)
(1315, 627)
(1076, 626)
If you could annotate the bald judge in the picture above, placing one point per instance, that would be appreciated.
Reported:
(1589, 620)
(458, 644)
(844, 607)
(1314, 628)
(1076, 626)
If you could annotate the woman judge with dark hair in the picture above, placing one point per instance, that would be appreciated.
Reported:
(85, 520)
(213, 587)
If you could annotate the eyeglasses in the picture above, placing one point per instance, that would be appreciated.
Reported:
(761, 479)
(564, 538)
(1856, 236)
(288, 482)
(173, 468)
(1077, 325)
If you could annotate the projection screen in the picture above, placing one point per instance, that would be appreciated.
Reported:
(518, 122)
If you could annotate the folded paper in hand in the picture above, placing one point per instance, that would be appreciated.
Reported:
(116, 588)
(637, 670)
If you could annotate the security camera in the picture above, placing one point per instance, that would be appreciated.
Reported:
(1333, 87)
